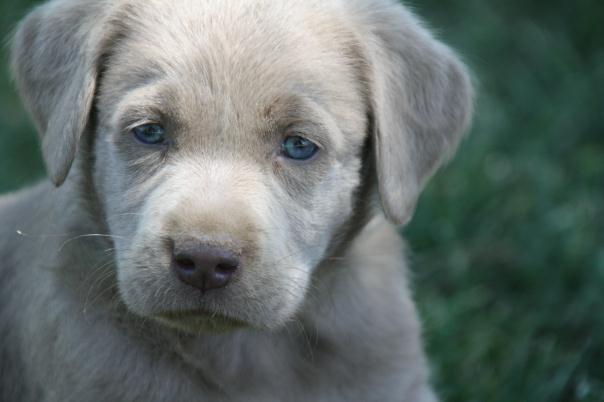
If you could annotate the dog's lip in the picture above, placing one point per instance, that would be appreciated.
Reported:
(198, 312)
(200, 320)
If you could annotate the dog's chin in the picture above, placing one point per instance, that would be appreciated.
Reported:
(200, 321)
(195, 316)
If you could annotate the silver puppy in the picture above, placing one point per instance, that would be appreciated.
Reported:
(214, 231)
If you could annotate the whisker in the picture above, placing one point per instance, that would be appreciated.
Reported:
(94, 235)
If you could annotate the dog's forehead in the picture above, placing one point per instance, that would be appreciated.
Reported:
(239, 48)
(238, 61)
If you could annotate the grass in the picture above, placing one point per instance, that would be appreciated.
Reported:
(508, 239)
(20, 160)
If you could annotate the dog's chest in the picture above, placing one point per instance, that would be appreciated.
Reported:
(246, 375)
(282, 369)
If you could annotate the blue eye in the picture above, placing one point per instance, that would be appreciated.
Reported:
(299, 148)
(151, 134)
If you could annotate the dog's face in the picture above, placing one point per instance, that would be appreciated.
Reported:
(229, 137)
(256, 156)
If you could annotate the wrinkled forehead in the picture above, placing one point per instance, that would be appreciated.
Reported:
(233, 55)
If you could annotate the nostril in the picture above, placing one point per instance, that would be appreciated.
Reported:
(185, 263)
(226, 269)
(227, 263)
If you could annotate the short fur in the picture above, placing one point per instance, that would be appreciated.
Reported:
(320, 309)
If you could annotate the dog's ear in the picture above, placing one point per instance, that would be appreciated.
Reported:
(55, 62)
(421, 101)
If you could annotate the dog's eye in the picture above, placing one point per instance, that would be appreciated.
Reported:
(152, 133)
(299, 148)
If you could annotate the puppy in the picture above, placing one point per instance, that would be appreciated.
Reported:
(215, 229)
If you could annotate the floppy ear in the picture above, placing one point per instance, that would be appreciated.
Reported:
(421, 103)
(55, 57)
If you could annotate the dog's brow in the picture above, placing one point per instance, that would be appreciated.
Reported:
(137, 115)
(295, 113)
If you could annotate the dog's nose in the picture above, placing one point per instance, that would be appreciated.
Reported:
(204, 266)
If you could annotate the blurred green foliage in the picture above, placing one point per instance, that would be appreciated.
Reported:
(20, 160)
(508, 240)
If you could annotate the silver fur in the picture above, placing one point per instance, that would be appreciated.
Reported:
(322, 292)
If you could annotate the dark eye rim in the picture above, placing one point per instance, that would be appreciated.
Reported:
(140, 140)
(283, 152)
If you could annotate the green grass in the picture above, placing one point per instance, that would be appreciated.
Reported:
(508, 240)
(20, 160)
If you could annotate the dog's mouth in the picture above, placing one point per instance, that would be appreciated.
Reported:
(199, 321)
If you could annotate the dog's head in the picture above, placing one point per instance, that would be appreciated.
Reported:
(228, 137)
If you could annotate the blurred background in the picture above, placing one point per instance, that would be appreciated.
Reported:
(508, 240)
